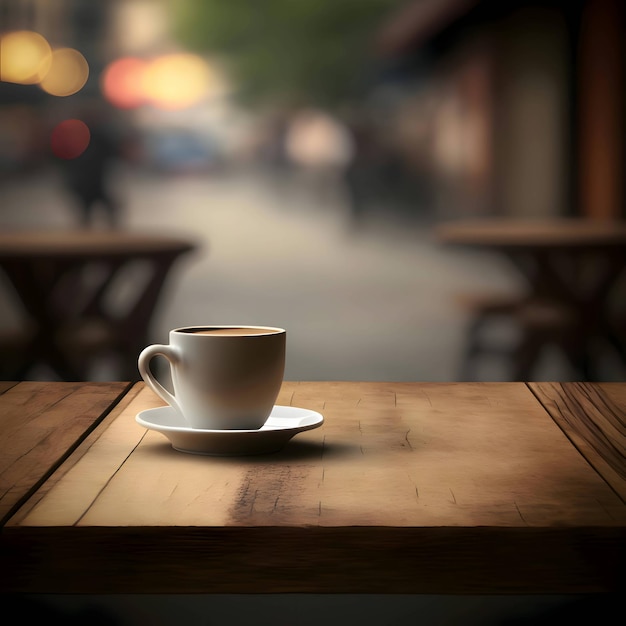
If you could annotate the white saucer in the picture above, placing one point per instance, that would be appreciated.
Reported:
(283, 423)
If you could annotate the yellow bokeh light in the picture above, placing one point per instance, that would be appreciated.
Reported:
(25, 57)
(68, 73)
(177, 81)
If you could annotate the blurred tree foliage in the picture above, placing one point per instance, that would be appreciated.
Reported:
(290, 51)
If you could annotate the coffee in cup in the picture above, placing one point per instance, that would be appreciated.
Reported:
(223, 377)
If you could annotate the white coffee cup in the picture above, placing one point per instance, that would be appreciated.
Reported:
(224, 377)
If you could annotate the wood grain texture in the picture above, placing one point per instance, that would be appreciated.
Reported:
(5, 385)
(406, 488)
(40, 425)
(593, 416)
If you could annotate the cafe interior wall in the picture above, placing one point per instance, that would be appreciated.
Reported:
(532, 166)
(522, 105)
(601, 116)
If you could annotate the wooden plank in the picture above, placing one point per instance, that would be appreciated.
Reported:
(41, 423)
(593, 416)
(5, 385)
(551, 233)
(314, 559)
(78, 453)
(406, 488)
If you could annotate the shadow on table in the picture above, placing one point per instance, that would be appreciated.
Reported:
(293, 451)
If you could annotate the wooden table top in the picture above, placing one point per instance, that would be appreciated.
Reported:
(36, 434)
(568, 233)
(80, 243)
(406, 488)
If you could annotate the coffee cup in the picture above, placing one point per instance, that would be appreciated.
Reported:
(223, 377)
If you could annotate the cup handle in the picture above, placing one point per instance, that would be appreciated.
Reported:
(146, 355)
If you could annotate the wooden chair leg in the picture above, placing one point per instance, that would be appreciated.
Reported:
(526, 355)
(483, 309)
(472, 348)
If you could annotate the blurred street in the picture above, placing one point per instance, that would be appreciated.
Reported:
(368, 301)
(463, 112)
(309, 150)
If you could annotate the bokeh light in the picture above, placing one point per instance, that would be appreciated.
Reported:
(176, 81)
(122, 82)
(172, 81)
(68, 73)
(69, 139)
(25, 57)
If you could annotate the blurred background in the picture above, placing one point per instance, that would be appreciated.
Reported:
(311, 148)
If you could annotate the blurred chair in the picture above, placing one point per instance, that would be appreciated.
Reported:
(533, 325)
(572, 268)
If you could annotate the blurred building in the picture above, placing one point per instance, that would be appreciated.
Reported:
(26, 110)
(513, 108)
(166, 132)
(85, 26)
(509, 107)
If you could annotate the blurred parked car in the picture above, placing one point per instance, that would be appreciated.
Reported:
(179, 151)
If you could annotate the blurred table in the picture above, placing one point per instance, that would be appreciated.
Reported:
(570, 265)
(428, 488)
(84, 293)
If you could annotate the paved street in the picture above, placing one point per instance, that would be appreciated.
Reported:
(374, 303)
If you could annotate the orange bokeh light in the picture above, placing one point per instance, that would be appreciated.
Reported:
(172, 81)
(69, 139)
(122, 82)
(67, 74)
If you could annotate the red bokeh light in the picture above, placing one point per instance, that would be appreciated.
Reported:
(69, 139)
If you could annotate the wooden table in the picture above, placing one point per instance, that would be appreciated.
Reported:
(420, 488)
(573, 266)
(37, 436)
(83, 294)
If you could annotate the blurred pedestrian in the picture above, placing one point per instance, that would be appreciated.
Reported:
(87, 176)
(363, 173)
(320, 148)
